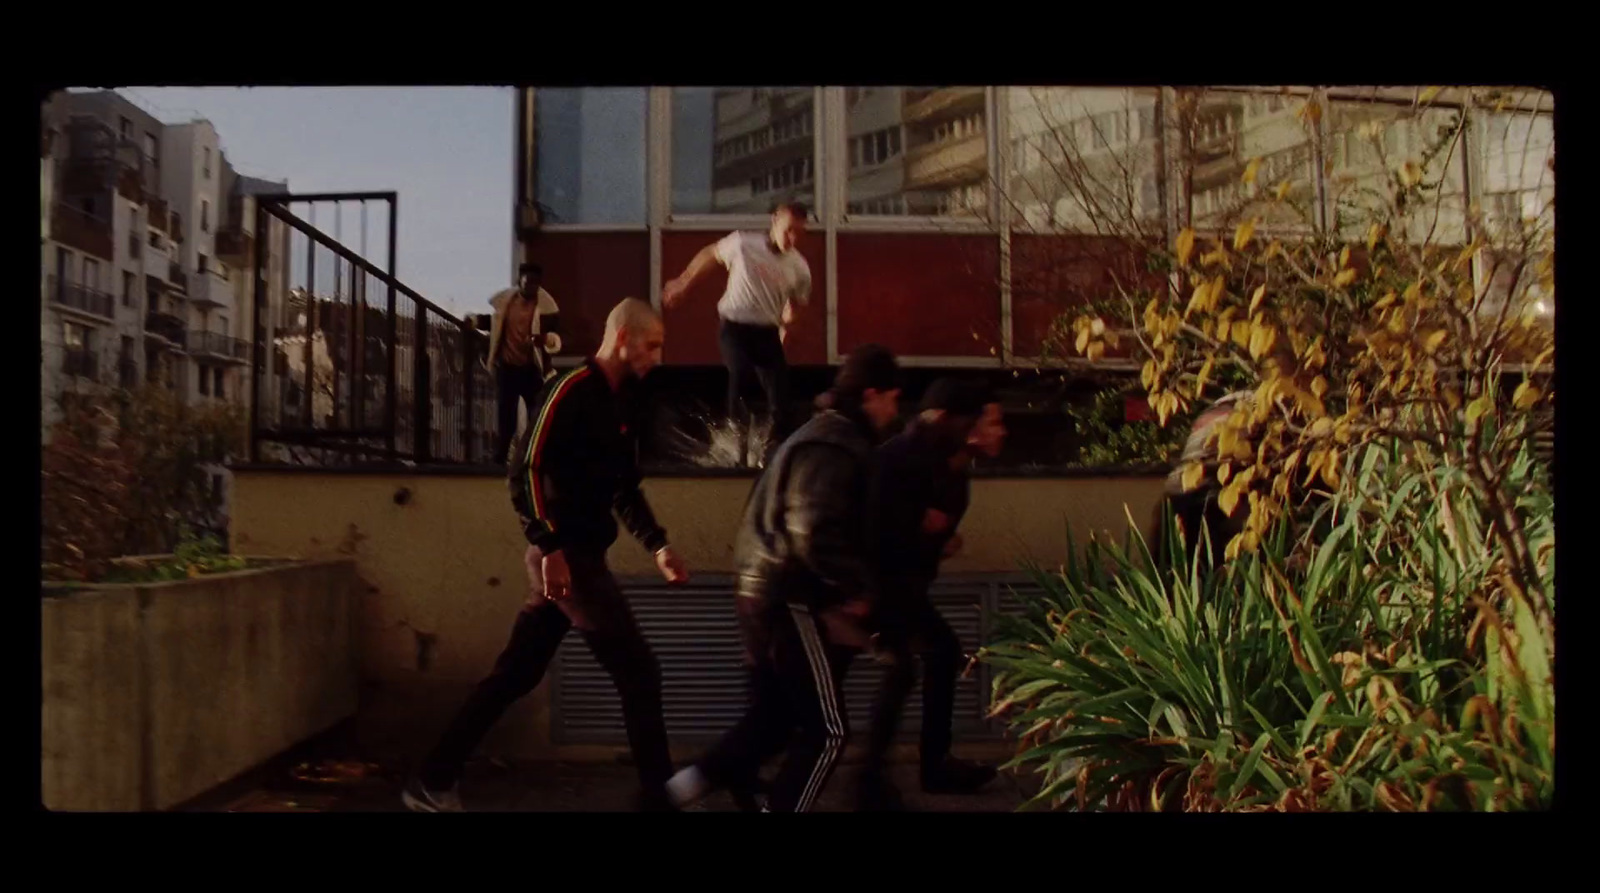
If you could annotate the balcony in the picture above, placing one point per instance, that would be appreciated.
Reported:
(82, 232)
(177, 276)
(81, 363)
(233, 245)
(167, 329)
(948, 162)
(159, 214)
(219, 346)
(211, 290)
(943, 101)
(90, 301)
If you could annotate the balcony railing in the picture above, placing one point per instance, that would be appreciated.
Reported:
(167, 327)
(81, 298)
(216, 344)
(160, 214)
(84, 232)
(233, 245)
(177, 276)
(81, 363)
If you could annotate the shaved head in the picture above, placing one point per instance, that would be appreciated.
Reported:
(632, 316)
(634, 336)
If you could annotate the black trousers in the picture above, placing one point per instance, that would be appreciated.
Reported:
(513, 383)
(754, 356)
(608, 627)
(915, 629)
(796, 705)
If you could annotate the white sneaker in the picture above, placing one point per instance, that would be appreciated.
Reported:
(418, 798)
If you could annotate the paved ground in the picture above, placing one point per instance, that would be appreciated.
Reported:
(495, 786)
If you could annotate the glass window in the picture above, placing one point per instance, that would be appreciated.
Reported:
(740, 150)
(1075, 161)
(1517, 153)
(591, 154)
(1233, 129)
(1380, 138)
(923, 152)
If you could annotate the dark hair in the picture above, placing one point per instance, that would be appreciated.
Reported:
(959, 398)
(870, 366)
(796, 208)
(530, 269)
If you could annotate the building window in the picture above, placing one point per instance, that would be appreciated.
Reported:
(77, 337)
(591, 154)
(717, 131)
(216, 489)
(205, 380)
(205, 263)
(920, 145)
(127, 289)
(216, 377)
(152, 150)
(125, 129)
(205, 170)
(205, 216)
(91, 274)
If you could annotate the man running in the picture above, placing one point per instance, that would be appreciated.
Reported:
(522, 336)
(767, 278)
(805, 570)
(573, 466)
(923, 489)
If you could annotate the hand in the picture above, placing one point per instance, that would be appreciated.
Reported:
(952, 546)
(783, 334)
(672, 566)
(934, 522)
(672, 293)
(557, 577)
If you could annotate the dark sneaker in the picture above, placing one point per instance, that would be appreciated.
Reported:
(953, 776)
(418, 798)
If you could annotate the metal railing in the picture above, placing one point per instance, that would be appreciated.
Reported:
(167, 327)
(81, 297)
(350, 366)
(217, 344)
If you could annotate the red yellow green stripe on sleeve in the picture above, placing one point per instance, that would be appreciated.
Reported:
(541, 433)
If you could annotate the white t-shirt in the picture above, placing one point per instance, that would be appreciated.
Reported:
(760, 281)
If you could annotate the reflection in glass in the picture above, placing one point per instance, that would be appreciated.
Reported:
(917, 151)
(1366, 143)
(741, 150)
(591, 154)
(1230, 130)
(1081, 155)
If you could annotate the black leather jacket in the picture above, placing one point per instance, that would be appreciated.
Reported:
(806, 536)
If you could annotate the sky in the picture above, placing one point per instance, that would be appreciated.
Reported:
(446, 151)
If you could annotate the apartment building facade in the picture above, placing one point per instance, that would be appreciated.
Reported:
(147, 247)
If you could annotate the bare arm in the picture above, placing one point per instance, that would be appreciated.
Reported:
(703, 261)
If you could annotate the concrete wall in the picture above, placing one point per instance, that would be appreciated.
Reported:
(443, 574)
(153, 695)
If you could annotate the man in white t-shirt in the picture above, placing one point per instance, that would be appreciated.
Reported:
(767, 279)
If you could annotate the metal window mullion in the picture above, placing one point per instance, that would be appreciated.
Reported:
(658, 177)
(833, 142)
(997, 132)
(1319, 173)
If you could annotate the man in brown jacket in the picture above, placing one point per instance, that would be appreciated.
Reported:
(521, 338)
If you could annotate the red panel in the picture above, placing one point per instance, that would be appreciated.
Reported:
(920, 294)
(587, 274)
(692, 325)
(1053, 274)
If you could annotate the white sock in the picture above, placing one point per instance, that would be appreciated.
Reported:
(688, 786)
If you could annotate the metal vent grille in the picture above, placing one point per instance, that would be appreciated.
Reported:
(695, 638)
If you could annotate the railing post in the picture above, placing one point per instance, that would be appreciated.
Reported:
(467, 356)
(422, 407)
(390, 396)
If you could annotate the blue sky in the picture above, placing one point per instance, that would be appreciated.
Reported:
(446, 150)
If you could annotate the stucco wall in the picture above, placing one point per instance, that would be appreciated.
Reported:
(442, 574)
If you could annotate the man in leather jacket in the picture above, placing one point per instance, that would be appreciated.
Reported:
(805, 562)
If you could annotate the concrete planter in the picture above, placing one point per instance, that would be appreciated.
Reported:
(156, 693)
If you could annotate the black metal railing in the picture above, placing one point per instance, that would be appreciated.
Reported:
(167, 327)
(81, 363)
(217, 344)
(363, 369)
(81, 297)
